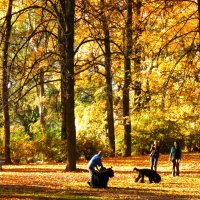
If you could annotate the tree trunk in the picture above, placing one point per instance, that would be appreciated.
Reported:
(199, 19)
(137, 55)
(62, 53)
(66, 47)
(109, 92)
(41, 104)
(5, 92)
(127, 81)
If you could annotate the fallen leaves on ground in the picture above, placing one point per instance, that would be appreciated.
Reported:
(50, 181)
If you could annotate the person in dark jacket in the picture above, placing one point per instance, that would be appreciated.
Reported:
(95, 165)
(154, 155)
(175, 158)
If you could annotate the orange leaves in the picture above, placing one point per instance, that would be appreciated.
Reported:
(50, 180)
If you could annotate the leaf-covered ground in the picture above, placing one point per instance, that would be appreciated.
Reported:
(49, 181)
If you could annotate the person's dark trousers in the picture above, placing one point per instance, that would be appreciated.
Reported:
(175, 167)
(153, 163)
(91, 177)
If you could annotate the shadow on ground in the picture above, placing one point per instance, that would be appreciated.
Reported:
(37, 192)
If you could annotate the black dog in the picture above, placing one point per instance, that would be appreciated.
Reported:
(100, 179)
(151, 174)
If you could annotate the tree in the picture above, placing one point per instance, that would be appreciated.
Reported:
(66, 48)
(108, 75)
(137, 54)
(5, 73)
(199, 17)
(96, 22)
(41, 94)
(127, 79)
(159, 41)
(65, 19)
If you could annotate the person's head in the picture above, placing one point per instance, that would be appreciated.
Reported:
(100, 153)
(176, 143)
(156, 143)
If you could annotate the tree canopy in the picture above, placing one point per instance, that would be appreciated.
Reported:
(85, 75)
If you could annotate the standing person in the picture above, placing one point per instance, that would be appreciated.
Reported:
(93, 165)
(154, 155)
(175, 157)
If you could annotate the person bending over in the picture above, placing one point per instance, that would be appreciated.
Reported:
(95, 165)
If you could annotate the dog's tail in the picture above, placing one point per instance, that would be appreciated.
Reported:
(136, 169)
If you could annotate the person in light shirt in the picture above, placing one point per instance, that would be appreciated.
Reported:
(95, 164)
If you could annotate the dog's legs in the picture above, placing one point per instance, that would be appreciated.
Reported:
(142, 180)
(150, 180)
(137, 179)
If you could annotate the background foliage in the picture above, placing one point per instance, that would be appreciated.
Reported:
(169, 76)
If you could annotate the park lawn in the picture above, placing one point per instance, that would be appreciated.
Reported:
(49, 181)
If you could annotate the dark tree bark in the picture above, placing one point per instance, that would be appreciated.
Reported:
(199, 17)
(66, 48)
(5, 92)
(127, 81)
(109, 92)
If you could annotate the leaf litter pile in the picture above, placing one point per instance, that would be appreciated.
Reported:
(50, 181)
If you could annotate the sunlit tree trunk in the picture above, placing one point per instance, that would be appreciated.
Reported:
(109, 92)
(41, 96)
(127, 81)
(66, 47)
(5, 92)
(62, 53)
(137, 55)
